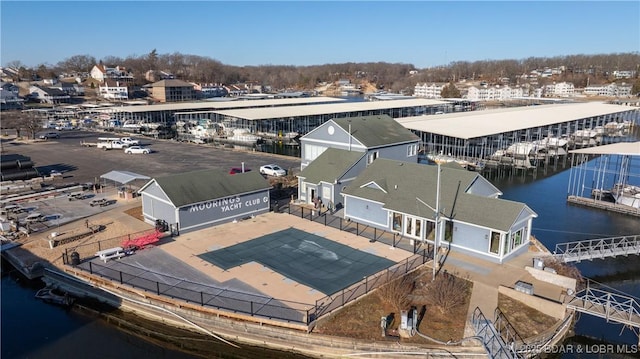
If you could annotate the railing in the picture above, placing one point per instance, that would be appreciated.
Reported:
(493, 343)
(332, 302)
(506, 330)
(248, 303)
(613, 307)
(203, 294)
(598, 248)
(359, 229)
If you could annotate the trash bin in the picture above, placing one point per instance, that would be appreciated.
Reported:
(75, 258)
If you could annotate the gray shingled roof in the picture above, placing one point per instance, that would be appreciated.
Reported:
(376, 131)
(410, 185)
(200, 186)
(332, 164)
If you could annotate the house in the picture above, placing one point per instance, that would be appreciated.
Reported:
(172, 90)
(201, 199)
(113, 90)
(48, 95)
(70, 88)
(118, 73)
(338, 150)
(402, 197)
(9, 97)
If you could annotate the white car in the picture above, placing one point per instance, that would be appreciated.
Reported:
(273, 170)
(137, 149)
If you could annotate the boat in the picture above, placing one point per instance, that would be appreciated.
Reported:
(243, 136)
(55, 296)
(627, 195)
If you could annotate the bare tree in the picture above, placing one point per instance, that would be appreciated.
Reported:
(446, 292)
(21, 122)
(397, 292)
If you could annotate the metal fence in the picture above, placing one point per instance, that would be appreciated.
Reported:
(249, 303)
(202, 294)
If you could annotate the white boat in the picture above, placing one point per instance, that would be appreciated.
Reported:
(243, 136)
(627, 195)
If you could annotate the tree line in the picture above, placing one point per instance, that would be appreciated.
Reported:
(395, 77)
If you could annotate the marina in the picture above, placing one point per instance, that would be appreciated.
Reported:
(611, 181)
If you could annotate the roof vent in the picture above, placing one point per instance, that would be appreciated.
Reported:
(395, 186)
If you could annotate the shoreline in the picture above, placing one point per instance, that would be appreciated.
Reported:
(229, 327)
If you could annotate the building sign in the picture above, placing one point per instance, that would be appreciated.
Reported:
(224, 208)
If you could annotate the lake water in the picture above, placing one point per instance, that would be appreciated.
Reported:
(32, 329)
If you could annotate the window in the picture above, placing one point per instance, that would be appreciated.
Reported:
(516, 239)
(413, 227)
(397, 222)
(372, 156)
(412, 150)
(495, 242)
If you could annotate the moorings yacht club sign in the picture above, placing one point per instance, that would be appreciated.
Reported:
(231, 204)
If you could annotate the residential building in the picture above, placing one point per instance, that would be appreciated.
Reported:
(425, 90)
(9, 96)
(494, 93)
(445, 205)
(113, 90)
(624, 74)
(561, 89)
(118, 73)
(608, 90)
(172, 90)
(47, 95)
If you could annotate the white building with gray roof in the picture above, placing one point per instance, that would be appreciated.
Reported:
(201, 199)
(402, 197)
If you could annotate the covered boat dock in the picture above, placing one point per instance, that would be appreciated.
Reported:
(522, 137)
(606, 177)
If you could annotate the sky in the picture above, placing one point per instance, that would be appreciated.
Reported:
(301, 33)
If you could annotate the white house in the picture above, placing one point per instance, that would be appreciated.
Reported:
(113, 90)
(466, 214)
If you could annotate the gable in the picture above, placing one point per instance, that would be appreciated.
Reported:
(331, 134)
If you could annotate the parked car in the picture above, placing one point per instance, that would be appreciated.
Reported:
(48, 135)
(235, 170)
(137, 149)
(35, 217)
(273, 170)
(130, 141)
(100, 202)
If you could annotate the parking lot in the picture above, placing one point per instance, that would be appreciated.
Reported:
(86, 164)
(81, 165)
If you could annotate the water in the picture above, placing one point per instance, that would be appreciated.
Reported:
(31, 329)
(559, 222)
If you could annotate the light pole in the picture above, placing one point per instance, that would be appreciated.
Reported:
(436, 238)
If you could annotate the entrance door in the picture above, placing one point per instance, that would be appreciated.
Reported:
(312, 195)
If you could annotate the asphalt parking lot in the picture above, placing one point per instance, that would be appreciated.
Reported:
(86, 164)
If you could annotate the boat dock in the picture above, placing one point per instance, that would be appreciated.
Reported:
(608, 206)
(606, 177)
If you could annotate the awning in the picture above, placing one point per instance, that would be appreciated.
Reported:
(124, 177)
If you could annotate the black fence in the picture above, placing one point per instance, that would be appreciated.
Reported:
(202, 294)
(250, 303)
